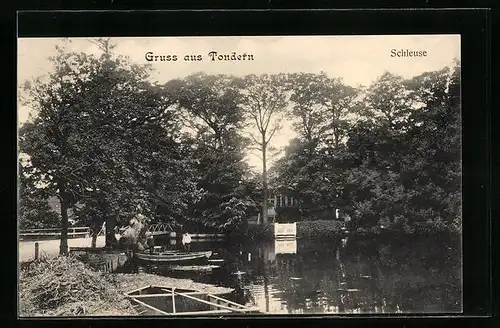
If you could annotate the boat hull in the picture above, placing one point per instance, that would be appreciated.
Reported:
(173, 257)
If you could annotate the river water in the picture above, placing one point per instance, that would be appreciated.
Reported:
(354, 275)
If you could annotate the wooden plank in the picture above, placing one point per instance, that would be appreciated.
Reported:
(210, 303)
(149, 306)
(203, 312)
(152, 295)
(173, 300)
(37, 248)
(136, 290)
(225, 300)
(188, 293)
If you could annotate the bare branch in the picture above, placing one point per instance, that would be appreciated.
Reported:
(255, 148)
(255, 139)
(257, 155)
(275, 128)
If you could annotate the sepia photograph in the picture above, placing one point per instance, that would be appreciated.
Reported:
(241, 175)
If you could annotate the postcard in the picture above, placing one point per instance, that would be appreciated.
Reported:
(242, 175)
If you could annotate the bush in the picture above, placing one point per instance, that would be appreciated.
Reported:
(305, 229)
(319, 228)
(288, 214)
(254, 231)
(65, 286)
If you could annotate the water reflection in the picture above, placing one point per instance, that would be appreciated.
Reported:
(354, 276)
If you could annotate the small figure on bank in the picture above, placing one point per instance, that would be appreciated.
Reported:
(348, 222)
(186, 241)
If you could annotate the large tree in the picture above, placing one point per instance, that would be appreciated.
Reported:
(311, 169)
(213, 117)
(55, 140)
(104, 136)
(265, 102)
(392, 154)
(433, 163)
(409, 155)
(308, 100)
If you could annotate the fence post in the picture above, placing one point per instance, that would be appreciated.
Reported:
(36, 250)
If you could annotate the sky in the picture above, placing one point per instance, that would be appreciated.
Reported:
(358, 60)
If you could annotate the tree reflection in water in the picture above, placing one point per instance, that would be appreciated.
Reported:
(364, 276)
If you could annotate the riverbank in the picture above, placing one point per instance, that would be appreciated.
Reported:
(326, 229)
(65, 286)
(305, 229)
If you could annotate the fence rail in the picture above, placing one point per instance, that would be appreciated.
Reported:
(285, 229)
(160, 229)
(54, 233)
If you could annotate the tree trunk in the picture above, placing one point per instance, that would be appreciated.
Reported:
(110, 232)
(96, 225)
(94, 239)
(336, 135)
(264, 180)
(63, 247)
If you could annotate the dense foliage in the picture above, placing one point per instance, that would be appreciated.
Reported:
(212, 114)
(110, 143)
(34, 209)
(395, 161)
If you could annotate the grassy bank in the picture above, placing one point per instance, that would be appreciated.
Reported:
(64, 286)
(317, 229)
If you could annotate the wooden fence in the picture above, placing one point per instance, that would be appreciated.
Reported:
(285, 230)
(55, 233)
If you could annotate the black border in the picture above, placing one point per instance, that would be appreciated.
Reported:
(473, 25)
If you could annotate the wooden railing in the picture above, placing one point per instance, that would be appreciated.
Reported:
(160, 229)
(285, 229)
(73, 232)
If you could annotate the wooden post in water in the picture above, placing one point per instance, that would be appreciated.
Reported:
(173, 300)
(37, 248)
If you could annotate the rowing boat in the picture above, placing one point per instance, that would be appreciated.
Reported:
(169, 301)
(172, 256)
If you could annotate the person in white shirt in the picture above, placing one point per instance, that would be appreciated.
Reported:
(186, 241)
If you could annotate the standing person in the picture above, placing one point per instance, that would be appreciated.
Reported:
(186, 241)
(348, 222)
(150, 242)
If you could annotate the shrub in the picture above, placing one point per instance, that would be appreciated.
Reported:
(319, 228)
(254, 231)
